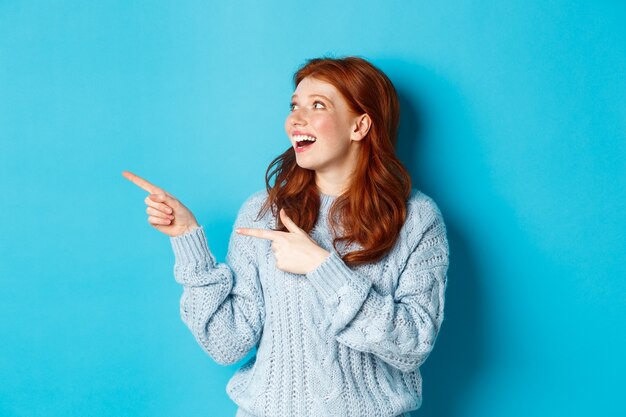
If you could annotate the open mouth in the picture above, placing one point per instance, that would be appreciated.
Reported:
(303, 141)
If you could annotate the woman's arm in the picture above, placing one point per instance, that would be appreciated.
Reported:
(400, 328)
(222, 303)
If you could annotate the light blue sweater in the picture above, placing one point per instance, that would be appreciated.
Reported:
(337, 341)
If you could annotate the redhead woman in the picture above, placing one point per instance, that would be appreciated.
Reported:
(336, 273)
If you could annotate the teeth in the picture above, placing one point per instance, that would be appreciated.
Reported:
(300, 138)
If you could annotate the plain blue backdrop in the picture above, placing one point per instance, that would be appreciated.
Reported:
(513, 120)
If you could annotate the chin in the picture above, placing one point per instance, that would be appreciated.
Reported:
(305, 165)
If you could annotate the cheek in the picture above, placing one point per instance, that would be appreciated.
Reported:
(287, 125)
(326, 126)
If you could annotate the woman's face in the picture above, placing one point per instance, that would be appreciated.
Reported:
(319, 111)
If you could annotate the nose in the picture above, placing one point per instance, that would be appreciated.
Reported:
(297, 117)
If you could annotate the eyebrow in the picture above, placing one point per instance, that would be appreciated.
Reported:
(314, 95)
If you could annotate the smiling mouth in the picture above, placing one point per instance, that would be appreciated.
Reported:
(304, 141)
(304, 144)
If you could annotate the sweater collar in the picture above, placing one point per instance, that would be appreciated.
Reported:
(326, 200)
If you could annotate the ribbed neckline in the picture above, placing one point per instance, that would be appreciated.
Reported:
(327, 199)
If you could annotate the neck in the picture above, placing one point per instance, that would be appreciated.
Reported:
(331, 184)
(335, 179)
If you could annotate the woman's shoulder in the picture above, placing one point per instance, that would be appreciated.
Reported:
(422, 208)
(257, 198)
(252, 206)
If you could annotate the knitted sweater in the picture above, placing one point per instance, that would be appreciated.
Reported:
(337, 341)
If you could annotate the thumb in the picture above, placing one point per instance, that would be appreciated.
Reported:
(289, 224)
(163, 198)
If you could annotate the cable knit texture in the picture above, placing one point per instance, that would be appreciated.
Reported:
(337, 341)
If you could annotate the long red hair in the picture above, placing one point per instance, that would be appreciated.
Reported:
(373, 209)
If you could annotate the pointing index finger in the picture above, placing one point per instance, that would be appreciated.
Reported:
(137, 180)
(262, 233)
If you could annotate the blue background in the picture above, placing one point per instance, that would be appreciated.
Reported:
(513, 120)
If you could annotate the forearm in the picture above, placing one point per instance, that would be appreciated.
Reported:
(402, 333)
(401, 327)
(220, 305)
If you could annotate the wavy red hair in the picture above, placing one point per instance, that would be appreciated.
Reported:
(373, 209)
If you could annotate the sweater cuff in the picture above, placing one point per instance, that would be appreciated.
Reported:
(192, 247)
(333, 278)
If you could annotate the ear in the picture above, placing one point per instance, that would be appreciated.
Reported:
(362, 125)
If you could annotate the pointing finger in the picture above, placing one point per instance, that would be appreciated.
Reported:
(262, 233)
(140, 182)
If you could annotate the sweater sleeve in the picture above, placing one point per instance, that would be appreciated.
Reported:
(222, 303)
(400, 328)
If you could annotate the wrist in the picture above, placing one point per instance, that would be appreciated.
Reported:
(320, 256)
(189, 229)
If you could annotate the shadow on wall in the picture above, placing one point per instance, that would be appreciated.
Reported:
(431, 112)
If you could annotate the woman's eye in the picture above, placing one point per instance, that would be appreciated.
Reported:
(316, 105)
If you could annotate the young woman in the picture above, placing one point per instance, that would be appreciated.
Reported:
(340, 285)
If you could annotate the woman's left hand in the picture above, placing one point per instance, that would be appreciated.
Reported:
(294, 250)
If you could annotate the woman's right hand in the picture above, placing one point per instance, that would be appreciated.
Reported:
(165, 212)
